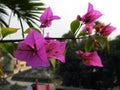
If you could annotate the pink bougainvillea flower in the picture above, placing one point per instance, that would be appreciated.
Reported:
(98, 26)
(90, 58)
(47, 17)
(92, 15)
(88, 28)
(55, 49)
(107, 30)
(32, 50)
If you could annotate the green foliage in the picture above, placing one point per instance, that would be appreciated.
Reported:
(26, 12)
(71, 70)
(82, 33)
(68, 35)
(53, 62)
(8, 31)
(88, 45)
(3, 14)
(8, 47)
(103, 42)
(74, 26)
(28, 29)
(74, 73)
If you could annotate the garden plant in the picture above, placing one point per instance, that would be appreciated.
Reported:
(87, 37)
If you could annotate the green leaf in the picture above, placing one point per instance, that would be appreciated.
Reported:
(53, 62)
(88, 45)
(107, 45)
(102, 42)
(8, 47)
(74, 26)
(82, 33)
(8, 31)
(28, 29)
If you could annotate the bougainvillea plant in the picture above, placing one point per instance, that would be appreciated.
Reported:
(38, 51)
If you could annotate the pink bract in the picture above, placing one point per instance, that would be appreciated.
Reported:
(32, 50)
(88, 28)
(91, 16)
(90, 58)
(47, 17)
(55, 49)
(107, 30)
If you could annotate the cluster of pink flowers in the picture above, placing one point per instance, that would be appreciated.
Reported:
(89, 19)
(37, 51)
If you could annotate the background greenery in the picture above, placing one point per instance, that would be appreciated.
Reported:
(74, 73)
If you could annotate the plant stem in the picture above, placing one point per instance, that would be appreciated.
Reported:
(22, 28)
(78, 29)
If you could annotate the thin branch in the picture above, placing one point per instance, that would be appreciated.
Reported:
(15, 40)
(18, 40)
(22, 28)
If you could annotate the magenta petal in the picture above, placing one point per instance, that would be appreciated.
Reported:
(107, 30)
(91, 16)
(43, 55)
(47, 14)
(97, 14)
(34, 38)
(96, 61)
(36, 62)
(47, 17)
(32, 50)
(30, 59)
(56, 50)
(90, 7)
(92, 59)
(23, 52)
(55, 17)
